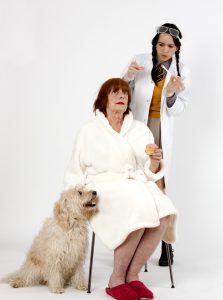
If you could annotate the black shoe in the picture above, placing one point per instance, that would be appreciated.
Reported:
(163, 261)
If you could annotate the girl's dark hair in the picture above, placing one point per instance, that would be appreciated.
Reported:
(113, 84)
(177, 43)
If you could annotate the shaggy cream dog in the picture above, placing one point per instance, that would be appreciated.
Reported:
(57, 254)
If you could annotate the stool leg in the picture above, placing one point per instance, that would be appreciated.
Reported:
(91, 263)
(170, 265)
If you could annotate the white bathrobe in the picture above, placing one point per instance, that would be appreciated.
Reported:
(117, 167)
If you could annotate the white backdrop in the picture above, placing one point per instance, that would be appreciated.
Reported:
(54, 55)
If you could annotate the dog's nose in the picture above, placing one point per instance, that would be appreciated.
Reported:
(94, 193)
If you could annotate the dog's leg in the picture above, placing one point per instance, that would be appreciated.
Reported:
(78, 280)
(27, 275)
(15, 280)
(55, 281)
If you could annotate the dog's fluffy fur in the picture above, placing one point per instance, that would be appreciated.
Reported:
(57, 255)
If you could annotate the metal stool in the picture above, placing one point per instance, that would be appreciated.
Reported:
(92, 256)
(169, 264)
(91, 263)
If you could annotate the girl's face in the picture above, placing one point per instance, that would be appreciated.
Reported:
(165, 47)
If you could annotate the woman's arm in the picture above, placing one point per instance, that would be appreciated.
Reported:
(154, 170)
(152, 165)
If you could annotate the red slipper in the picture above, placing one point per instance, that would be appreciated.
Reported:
(122, 292)
(141, 290)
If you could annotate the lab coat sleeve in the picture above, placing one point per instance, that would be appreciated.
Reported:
(124, 72)
(182, 97)
(74, 174)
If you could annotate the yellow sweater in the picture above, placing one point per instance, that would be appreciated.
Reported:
(154, 111)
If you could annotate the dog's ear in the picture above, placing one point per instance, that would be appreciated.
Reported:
(61, 214)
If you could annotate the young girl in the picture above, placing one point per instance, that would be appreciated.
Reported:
(160, 89)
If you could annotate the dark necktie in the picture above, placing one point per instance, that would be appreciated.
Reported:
(159, 73)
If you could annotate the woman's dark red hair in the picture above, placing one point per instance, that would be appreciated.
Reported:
(113, 84)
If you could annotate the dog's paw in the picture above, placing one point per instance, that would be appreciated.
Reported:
(57, 290)
(80, 286)
(16, 282)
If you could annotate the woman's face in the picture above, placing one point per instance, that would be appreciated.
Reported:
(165, 47)
(117, 101)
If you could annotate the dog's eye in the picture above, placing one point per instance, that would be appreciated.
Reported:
(80, 193)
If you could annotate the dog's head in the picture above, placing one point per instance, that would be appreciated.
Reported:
(75, 205)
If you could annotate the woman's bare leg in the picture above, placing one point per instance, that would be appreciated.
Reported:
(161, 184)
(145, 249)
(123, 256)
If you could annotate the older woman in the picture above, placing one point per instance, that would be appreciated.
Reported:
(134, 214)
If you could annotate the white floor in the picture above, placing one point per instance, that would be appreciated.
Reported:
(197, 275)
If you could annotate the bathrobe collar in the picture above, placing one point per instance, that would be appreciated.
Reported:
(128, 120)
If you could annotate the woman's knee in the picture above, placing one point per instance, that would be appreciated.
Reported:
(138, 232)
(164, 221)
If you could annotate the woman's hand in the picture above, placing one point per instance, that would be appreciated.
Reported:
(174, 85)
(133, 69)
(155, 160)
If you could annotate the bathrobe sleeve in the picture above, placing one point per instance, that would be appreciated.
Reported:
(146, 137)
(75, 172)
(154, 176)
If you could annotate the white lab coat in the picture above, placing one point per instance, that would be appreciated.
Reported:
(117, 167)
(142, 91)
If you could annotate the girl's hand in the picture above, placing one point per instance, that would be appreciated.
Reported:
(133, 69)
(175, 85)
